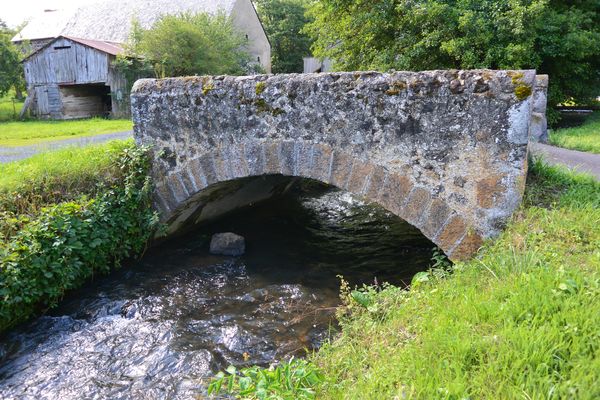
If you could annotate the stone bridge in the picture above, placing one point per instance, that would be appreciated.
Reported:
(444, 150)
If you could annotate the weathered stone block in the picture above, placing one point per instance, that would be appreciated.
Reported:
(417, 204)
(272, 156)
(341, 167)
(452, 232)
(437, 215)
(395, 192)
(468, 246)
(321, 164)
(359, 176)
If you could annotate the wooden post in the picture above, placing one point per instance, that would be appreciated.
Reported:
(27, 103)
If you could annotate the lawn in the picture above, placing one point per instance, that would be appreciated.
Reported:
(584, 138)
(520, 321)
(33, 132)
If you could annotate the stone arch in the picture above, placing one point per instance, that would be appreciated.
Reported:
(178, 196)
(448, 149)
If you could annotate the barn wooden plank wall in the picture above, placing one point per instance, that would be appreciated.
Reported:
(72, 80)
(67, 62)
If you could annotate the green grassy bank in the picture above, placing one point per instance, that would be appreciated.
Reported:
(520, 321)
(24, 133)
(66, 216)
(583, 138)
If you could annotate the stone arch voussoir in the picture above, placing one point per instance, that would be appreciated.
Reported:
(253, 158)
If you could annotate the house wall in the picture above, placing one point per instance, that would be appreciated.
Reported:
(246, 19)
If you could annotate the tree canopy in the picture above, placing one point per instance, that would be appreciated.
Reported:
(188, 44)
(284, 21)
(11, 71)
(560, 38)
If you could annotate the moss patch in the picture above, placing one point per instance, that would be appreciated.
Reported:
(260, 87)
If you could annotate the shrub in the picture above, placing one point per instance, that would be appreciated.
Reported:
(70, 242)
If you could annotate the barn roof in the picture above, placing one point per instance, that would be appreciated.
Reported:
(104, 46)
(110, 20)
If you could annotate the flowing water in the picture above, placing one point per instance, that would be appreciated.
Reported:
(160, 327)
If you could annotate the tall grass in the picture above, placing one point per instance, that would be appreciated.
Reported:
(584, 138)
(62, 175)
(10, 107)
(521, 321)
(32, 132)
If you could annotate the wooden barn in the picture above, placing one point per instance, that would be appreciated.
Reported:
(69, 73)
(74, 78)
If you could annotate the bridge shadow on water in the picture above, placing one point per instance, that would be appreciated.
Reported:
(158, 328)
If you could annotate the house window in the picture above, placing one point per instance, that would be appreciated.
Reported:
(61, 47)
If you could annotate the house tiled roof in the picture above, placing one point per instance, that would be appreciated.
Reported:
(110, 20)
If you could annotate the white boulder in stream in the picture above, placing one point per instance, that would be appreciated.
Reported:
(227, 244)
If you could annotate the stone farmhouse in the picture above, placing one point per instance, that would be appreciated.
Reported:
(69, 72)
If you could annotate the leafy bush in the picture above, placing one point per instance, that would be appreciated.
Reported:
(69, 242)
(294, 379)
(186, 44)
(559, 38)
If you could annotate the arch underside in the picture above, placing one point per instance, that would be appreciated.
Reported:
(179, 196)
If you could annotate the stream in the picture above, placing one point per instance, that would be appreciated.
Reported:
(160, 327)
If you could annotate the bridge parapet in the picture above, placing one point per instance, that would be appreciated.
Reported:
(444, 150)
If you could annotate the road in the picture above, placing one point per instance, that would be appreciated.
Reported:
(575, 160)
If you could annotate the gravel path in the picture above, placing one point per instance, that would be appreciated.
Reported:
(576, 160)
(8, 154)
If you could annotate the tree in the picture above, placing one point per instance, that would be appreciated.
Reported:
(560, 38)
(284, 21)
(188, 44)
(11, 71)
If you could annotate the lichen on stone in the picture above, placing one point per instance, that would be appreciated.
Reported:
(522, 91)
(396, 88)
(260, 87)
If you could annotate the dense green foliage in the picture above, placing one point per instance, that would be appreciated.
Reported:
(186, 44)
(521, 321)
(294, 379)
(284, 21)
(584, 138)
(60, 246)
(11, 71)
(560, 38)
(33, 132)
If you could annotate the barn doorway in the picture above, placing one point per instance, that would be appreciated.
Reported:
(85, 101)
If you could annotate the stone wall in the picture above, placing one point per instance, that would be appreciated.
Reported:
(444, 150)
(539, 124)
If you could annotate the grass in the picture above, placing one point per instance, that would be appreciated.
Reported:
(521, 321)
(32, 132)
(57, 176)
(584, 138)
(9, 107)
